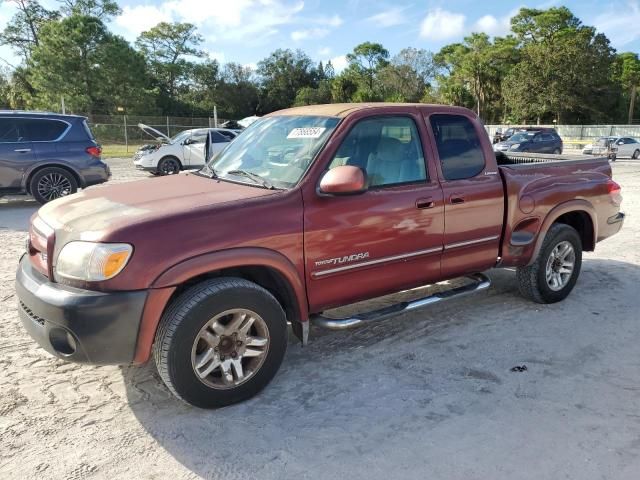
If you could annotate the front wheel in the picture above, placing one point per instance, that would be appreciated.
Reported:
(554, 273)
(168, 166)
(220, 342)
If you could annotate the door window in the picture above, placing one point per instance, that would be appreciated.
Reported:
(40, 130)
(10, 131)
(547, 137)
(387, 148)
(459, 146)
(217, 137)
(198, 137)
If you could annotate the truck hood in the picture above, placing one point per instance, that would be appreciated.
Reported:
(94, 213)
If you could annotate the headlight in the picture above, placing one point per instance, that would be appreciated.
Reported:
(92, 262)
(514, 146)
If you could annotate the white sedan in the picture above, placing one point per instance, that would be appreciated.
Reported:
(184, 151)
(615, 147)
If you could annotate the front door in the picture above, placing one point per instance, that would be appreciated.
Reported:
(385, 239)
(473, 196)
(16, 152)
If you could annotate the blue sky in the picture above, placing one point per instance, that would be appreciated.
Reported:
(246, 31)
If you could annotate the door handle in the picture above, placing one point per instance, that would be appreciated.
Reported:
(22, 150)
(456, 199)
(424, 203)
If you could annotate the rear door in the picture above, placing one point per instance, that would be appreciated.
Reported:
(473, 195)
(16, 152)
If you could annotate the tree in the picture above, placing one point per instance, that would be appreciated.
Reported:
(98, 71)
(541, 84)
(366, 60)
(478, 65)
(630, 79)
(282, 74)
(22, 33)
(168, 48)
(407, 76)
(102, 9)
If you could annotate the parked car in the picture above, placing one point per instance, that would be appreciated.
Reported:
(184, 151)
(614, 147)
(534, 140)
(312, 208)
(502, 136)
(48, 155)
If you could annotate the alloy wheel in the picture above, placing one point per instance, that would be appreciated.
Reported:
(230, 348)
(560, 265)
(54, 185)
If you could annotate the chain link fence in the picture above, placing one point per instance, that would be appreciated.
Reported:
(579, 135)
(124, 130)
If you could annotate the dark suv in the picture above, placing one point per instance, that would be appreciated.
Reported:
(534, 140)
(48, 155)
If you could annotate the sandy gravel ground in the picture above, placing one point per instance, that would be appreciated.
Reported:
(428, 395)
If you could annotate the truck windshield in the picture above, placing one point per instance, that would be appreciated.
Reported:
(277, 149)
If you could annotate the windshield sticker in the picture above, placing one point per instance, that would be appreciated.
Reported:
(313, 132)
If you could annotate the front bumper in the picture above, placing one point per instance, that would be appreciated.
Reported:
(79, 325)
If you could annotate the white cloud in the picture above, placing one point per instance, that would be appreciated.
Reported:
(441, 24)
(219, 56)
(388, 18)
(493, 26)
(135, 20)
(324, 51)
(620, 24)
(248, 20)
(311, 33)
(333, 21)
(339, 63)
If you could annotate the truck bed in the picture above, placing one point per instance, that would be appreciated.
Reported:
(528, 160)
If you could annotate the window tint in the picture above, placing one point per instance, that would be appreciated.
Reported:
(458, 146)
(229, 135)
(548, 137)
(216, 137)
(10, 131)
(38, 130)
(387, 148)
(538, 138)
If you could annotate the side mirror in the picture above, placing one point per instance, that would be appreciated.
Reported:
(343, 180)
(187, 141)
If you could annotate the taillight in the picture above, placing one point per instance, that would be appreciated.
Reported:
(94, 151)
(615, 191)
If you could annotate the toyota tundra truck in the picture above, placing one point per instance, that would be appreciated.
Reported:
(310, 209)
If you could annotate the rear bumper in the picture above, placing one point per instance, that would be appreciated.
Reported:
(613, 226)
(79, 325)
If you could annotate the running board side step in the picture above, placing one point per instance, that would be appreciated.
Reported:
(480, 282)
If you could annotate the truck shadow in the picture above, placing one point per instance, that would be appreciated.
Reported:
(365, 393)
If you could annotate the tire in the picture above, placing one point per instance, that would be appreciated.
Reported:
(532, 280)
(169, 166)
(180, 344)
(557, 151)
(51, 183)
(635, 155)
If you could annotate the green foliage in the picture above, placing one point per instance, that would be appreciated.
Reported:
(564, 71)
(282, 74)
(550, 66)
(22, 33)
(107, 72)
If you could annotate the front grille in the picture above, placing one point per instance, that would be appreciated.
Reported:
(31, 315)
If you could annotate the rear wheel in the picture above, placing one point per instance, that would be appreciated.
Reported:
(169, 166)
(636, 154)
(220, 342)
(557, 151)
(51, 183)
(554, 273)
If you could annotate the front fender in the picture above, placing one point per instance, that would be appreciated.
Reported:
(164, 286)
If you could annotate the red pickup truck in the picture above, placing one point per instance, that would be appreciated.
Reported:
(309, 209)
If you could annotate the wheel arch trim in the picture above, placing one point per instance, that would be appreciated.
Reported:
(571, 206)
(166, 284)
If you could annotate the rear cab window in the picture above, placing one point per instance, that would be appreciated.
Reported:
(459, 147)
(10, 131)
